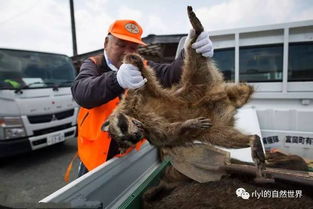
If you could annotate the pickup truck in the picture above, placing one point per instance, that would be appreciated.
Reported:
(281, 107)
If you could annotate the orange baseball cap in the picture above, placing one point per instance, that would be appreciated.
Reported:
(128, 30)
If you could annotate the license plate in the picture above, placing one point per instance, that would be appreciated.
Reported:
(56, 138)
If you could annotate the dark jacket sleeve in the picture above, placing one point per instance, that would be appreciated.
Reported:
(92, 88)
(169, 74)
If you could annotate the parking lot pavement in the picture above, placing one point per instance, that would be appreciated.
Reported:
(30, 177)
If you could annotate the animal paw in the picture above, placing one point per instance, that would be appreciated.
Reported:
(198, 123)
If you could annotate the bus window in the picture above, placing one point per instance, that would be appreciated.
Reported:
(261, 63)
(225, 61)
(300, 64)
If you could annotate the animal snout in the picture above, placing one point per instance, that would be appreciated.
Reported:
(138, 135)
(133, 138)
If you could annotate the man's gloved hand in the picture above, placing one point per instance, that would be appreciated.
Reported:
(203, 44)
(129, 77)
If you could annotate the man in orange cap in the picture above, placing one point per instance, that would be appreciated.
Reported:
(103, 78)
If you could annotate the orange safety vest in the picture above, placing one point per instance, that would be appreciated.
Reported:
(93, 143)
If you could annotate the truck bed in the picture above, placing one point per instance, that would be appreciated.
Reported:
(110, 184)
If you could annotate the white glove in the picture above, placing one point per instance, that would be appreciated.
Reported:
(203, 44)
(129, 77)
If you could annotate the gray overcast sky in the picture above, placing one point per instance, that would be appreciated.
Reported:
(44, 25)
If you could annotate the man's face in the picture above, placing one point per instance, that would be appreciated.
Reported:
(116, 49)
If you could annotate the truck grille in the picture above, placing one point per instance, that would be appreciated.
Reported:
(49, 117)
(52, 129)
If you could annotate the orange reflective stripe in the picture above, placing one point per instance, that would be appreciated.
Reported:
(137, 147)
(69, 168)
(139, 144)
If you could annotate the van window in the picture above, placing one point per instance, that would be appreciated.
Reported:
(225, 61)
(261, 63)
(20, 68)
(300, 64)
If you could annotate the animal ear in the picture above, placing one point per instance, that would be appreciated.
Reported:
(105, 126)
(137, 123)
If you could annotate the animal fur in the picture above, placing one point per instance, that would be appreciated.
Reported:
(280, 160)
(222, 195)
(172, 188)
(285, 161)
(201, 107)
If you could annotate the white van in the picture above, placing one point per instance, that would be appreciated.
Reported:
(36, 105)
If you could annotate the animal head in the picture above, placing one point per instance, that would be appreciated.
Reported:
(125, 130)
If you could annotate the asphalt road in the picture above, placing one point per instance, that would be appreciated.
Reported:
(30, 177)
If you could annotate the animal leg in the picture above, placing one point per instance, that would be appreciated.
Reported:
(168, 134)
(239, 94)
(190, 126)
(152, 86)
(282, 160)
(226, 136)
(182, 132)
(195, 67)
(258, 155)
(199, 72)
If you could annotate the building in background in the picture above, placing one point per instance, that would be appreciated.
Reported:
(160, 48)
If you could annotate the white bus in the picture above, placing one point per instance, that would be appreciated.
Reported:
(278, 61)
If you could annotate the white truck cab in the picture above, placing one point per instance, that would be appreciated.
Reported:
(36, 105)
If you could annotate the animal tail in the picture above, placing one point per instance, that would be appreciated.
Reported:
(195, 22)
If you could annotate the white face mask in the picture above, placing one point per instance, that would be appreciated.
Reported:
(109, 63)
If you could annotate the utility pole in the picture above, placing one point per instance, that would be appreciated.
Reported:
(73, 28)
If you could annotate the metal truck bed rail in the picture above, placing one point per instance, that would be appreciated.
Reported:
(109, 185)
